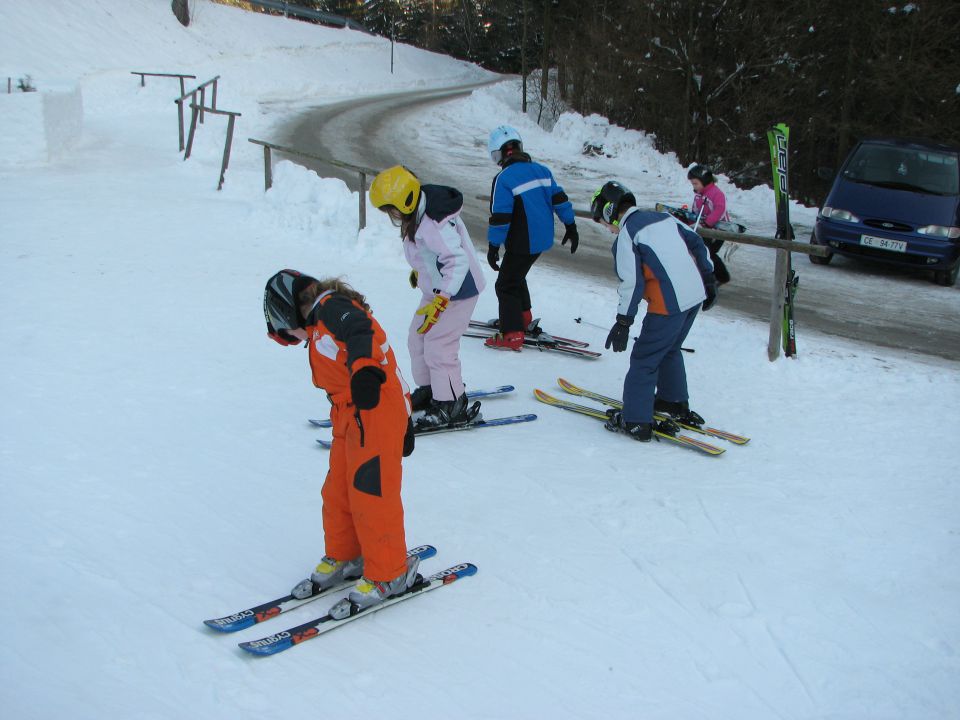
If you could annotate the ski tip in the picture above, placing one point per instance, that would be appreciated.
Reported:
(229, 624)
(454, 573)
(423, 551)
(269, 645)
(325, 444)
(319, 423)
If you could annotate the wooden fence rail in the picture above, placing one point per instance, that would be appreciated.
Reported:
(144, 75)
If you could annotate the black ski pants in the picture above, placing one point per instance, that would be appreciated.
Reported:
(513, 294)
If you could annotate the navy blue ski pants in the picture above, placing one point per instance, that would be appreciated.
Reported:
(656, 365)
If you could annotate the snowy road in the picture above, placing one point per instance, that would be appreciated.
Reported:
(890, 307)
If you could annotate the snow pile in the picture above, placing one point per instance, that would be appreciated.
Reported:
(157, 467)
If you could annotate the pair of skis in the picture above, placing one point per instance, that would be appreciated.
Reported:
(601, 414)
(286, 639)
(535, 337)
(471, 425)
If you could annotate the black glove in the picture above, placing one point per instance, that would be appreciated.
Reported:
(414, 280)
(710, 287)
(493, 256)
(573, 236)
(619, 334)
(408, 439)
(365, 387)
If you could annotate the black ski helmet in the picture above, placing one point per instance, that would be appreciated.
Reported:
(703, 173)
(281, 308)
(607, 200)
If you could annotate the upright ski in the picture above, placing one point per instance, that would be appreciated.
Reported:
(569, 387)
(778, 137)
(599, 414)
(286, 639)
(471, 395)
(259, 613)
(473, 425)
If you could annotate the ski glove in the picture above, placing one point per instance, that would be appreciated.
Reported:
(573, 236)
(408, 439)
(431, 312)
(414, 279)
(282, 336)
(493, 256)
(619, 334)
(710, 287)
(365, 387)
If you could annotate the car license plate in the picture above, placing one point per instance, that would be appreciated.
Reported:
(883, 243)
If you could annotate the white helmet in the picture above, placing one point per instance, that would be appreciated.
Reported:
(499, 137)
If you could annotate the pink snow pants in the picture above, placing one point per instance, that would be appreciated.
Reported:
(435, 355)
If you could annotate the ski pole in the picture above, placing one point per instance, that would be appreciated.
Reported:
(699, 215)
(581, 321)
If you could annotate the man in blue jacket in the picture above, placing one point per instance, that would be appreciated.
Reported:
(523, 201)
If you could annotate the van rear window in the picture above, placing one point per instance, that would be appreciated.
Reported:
(927, 171)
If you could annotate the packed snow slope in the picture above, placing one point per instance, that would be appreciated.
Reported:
(157, 467)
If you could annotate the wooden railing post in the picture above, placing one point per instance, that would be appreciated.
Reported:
(180, 122)
(267, 169)
(193, 125)
(203, 101)
(363, 200)
(213, 104)
(226, 149)
(776, 306)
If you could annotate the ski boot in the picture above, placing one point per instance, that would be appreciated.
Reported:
(638, 431)
(678, 411)
(420, 398)
(643, 432)
(444, 413)
(328, 573)
(505, 341)
(367, 593)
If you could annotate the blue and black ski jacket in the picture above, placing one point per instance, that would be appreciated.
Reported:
(523, 199)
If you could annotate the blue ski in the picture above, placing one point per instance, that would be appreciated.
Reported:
(471, 395)
(286, 639)
(493, 422)
(259, 613)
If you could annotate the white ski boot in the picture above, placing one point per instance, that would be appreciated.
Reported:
(328, 573)
(367, 593)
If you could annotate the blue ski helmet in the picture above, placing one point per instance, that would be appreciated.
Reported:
(499, 137)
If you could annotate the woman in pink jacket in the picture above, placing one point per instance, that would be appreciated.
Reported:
(446, 270)
(710, 204)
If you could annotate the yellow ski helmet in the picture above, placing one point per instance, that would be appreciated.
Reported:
(397, 187)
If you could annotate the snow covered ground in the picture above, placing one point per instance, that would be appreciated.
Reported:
(157, 468)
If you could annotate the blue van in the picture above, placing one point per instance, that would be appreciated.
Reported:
(896, 200)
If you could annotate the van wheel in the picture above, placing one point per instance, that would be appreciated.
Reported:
(816, 260)
(947, 278)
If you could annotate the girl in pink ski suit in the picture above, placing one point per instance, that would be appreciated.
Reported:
(710, 204)
(442, 255)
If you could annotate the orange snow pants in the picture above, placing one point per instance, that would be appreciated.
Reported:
(362, 510)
